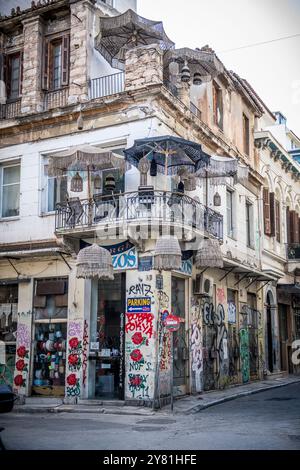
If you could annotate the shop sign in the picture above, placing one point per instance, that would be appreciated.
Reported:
(146, 263)
(124, 256)
(139, 305)
(187, 263)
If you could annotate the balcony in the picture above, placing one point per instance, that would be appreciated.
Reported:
(10, 110)
(56, 99)
(139, 208)
(107, 86)
(293, 251)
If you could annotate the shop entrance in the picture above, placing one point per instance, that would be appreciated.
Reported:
(270, 335)
(180, 344)
(109, 370)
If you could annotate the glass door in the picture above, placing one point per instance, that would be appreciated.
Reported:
(110, 332)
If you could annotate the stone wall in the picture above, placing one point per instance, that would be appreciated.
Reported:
(143, 66)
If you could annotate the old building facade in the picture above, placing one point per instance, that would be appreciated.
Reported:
(84, 339)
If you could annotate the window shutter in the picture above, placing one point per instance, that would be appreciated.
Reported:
(296, 228)
(21, 73)
(288, 226)
(7, 75)
(45, 72)
(292, 229)
(278, 228)
(65, 59)
(266, 203)
(272, 214)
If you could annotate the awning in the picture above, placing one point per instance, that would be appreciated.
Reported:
(289, 288)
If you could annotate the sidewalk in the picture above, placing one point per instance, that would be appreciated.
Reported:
(187, 405)
(194, 404)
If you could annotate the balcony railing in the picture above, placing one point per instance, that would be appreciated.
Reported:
(293, 251)
(56, 98)
(150, 207)
(195, 110)
(106, 86)
(10, 110)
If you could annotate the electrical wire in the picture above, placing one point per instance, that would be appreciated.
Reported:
(260, 43)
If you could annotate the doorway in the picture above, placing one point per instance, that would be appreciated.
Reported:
(179, 337)
(109, 370)
(269, 334)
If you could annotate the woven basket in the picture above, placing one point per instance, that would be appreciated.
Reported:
(94, 262)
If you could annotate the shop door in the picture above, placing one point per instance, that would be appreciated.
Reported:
(110, 327)
(253, 336)
(179, 337)
(283, 322)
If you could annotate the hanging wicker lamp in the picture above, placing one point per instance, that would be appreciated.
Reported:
(94, 262)
(167, 255)
(209, 254)
(77, 183)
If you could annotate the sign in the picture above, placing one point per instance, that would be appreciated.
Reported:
(124, 255)
(186, 263)
(159, 282)
(145, 263)
(139, 305)
(172, 323)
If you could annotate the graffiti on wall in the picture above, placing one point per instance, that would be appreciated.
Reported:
(85, 343)
(22, 356)
(221, 296)
(244, 354)
(140, 289)
(75, 353)
(140, 322)
(196, 353)
(138, 386)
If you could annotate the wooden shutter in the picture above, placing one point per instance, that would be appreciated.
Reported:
(296, 228)
(288, 226)
(277, 221)
(266, 203)
(45, 70)
(7, 74)
(65, 59)
(272, 214)
(292, 229)
(21, 73)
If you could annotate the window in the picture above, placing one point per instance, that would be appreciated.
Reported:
(218, 106)
(56, 190)
(13, 66)
(10, 191)
(229, 200)
(266, 211)
(56, 63)
(249, 224)
(246, 135)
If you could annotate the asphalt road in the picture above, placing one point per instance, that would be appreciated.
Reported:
(267, 421)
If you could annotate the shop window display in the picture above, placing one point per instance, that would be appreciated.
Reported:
(50, 338)
(8, 331)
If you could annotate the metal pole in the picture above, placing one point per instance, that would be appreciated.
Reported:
(172, 371)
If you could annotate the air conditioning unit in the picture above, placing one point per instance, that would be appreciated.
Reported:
(203, 285)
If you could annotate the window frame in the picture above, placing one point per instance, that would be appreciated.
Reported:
(230, 232)
(218, 105)
(49, 44)
(8, 59)
(246, 135)
(2, 167)
(249, 224)
(44, 203)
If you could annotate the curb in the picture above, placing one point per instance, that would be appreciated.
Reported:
(200, 407)
(89, 410)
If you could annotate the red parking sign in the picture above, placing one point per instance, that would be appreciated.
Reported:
(172, 323)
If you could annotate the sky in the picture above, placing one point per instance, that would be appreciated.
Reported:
(272, 69)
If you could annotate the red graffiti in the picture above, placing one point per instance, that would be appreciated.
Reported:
(84, 352)
(141, 322)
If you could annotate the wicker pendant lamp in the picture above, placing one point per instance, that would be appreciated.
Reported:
(94, 262)
(167, 255)
(209, 254)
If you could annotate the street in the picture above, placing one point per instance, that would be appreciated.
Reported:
(267, 421)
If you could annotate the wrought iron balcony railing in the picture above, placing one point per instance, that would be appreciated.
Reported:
(106, 86)
(56, 98)
(293, 251)
(10, 110)
(139, 207)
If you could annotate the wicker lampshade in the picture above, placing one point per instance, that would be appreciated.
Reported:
(94, 262)
(77, 183)
(167, 255)
(209, 254)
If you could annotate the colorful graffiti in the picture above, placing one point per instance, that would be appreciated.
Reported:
(138, 386)
(196, 354)
(22, 356)
(221, 296)
(140, 289)
(140, 322)
(75, 358)
(244, 354)
(85, 343)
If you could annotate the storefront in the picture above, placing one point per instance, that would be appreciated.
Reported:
(50, 315)
(8, 330)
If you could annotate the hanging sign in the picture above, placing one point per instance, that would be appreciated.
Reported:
(172, 323)
(186, 263)
(139, 305)
(124, 256)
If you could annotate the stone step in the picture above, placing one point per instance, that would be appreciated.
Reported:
(43, 401)
(276, 375)
(101, 402)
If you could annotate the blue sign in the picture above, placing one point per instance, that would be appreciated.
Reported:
(139, 305)
(126, 260)
(146, 263)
